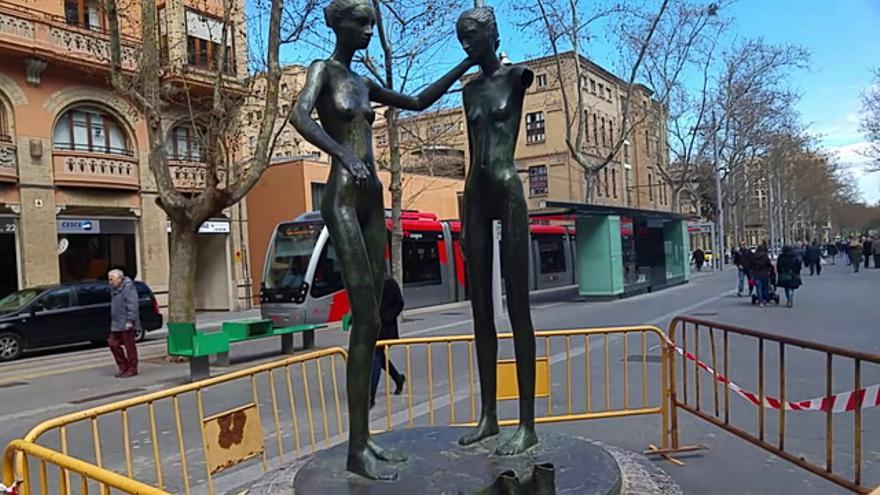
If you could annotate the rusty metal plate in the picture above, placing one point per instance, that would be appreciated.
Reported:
(232, 437)
(508, 385)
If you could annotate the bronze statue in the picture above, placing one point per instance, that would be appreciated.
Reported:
(493, 104)
(352, 207)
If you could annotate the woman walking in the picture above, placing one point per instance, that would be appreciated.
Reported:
(762, 268)
(788, 271)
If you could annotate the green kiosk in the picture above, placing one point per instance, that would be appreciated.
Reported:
(626, 251)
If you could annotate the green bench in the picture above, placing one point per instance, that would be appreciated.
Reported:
(185, 340)
(244, 330)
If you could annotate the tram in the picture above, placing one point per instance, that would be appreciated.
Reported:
(302, 282)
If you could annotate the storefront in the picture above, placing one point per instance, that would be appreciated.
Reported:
(90, 247)
(624, 251)
(9, 268)
(213, 280)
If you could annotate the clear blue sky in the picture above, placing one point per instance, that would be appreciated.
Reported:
(843, 37)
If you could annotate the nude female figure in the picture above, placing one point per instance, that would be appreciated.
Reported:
(352, 207)
(493, 105)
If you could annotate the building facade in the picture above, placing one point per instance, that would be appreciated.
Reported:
(76, 194)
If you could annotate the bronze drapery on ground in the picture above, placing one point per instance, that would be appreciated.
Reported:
(352, 207)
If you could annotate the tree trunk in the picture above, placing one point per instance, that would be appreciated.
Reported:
(182, 276)
(396, 196)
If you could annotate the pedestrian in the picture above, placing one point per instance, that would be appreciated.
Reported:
(813, 258)
(739, 259)
(125, 322)
(844, 248)
(788, 272)
(875, 250)
(699, 257)
(867, 251)
(855, 252)
(831, 249)
(390, 309)
(762, 269)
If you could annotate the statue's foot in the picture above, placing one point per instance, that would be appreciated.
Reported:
(487, 427)
(384, 454)
(365, 463)
(522, 440)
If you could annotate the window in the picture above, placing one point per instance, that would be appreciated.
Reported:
(602, 131)
(542, 80)
(650, 187)
(605, 171)
(5, 134)
(204, 36)
(88, 294)
(90, 129)
(184, 145)
(586, 125)
(382, 140)
(614, 182)
(609, 94)
(535, 128)
(593, 86)
(56, 299)
(625, 152)
(538, 181)
(317, 195)
(595, 131)
(421, 259)
(551, 252)
(601, 90)
(611, 132)
(84, 13)
(647, 142)
(627, 178)
(328, 276)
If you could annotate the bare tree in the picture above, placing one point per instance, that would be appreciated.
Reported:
(410, 31)
(208, 101)
(870, 123)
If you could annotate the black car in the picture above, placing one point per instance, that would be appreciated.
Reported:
(54, 315)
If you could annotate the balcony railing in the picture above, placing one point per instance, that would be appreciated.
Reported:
(99, 170)
(42, 34)
(189, 176)
(8, 160)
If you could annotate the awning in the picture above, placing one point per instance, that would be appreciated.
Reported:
(563, 209)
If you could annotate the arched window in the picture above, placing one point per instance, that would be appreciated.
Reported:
(92, 130)
(5, 130)
(184, 144)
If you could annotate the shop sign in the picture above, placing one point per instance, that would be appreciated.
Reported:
(7, 226)
(79, 226)
(209, 227)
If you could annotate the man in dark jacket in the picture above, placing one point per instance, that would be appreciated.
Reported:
(125, 321)
(698, 257)
(813, 258)
(390, 309)
(867, 250)
(739, 260)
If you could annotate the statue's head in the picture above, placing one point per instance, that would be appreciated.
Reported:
(478, 31)
(352, 21)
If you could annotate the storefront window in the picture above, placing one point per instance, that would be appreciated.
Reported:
(421, 262)
(8, 258)
(88, 249)
(551, 253)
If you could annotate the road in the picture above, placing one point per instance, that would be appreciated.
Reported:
(838, 308)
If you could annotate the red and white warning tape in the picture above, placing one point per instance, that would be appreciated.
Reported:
(844, 402)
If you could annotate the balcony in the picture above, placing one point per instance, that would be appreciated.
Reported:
(99, 170)
(35, 33)
(8, 160)
(191, 177)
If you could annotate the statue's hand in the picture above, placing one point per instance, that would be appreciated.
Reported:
(355, 166)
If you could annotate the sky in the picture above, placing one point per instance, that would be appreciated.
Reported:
(843, 37)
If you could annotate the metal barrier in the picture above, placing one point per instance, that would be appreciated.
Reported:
(568, 401)
(222, 436)
(688, 392)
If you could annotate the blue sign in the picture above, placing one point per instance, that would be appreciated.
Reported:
(79, 226)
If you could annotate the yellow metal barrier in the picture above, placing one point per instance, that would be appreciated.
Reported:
(772, 355)
(578, 401)
(222, 436)
(88, 472)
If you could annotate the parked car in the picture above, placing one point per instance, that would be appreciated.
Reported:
(54, 315)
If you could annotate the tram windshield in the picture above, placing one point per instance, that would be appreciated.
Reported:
(289, 257)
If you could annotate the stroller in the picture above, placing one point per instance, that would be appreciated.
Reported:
(774, 296)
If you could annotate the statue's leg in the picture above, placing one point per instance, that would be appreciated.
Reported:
(375, 239)
(478, 256)
(351, 250)
(515, 257)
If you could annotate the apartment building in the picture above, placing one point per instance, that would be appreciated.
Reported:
(76, 194)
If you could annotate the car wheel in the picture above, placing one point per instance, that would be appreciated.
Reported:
(141, 335)
(11, 346)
